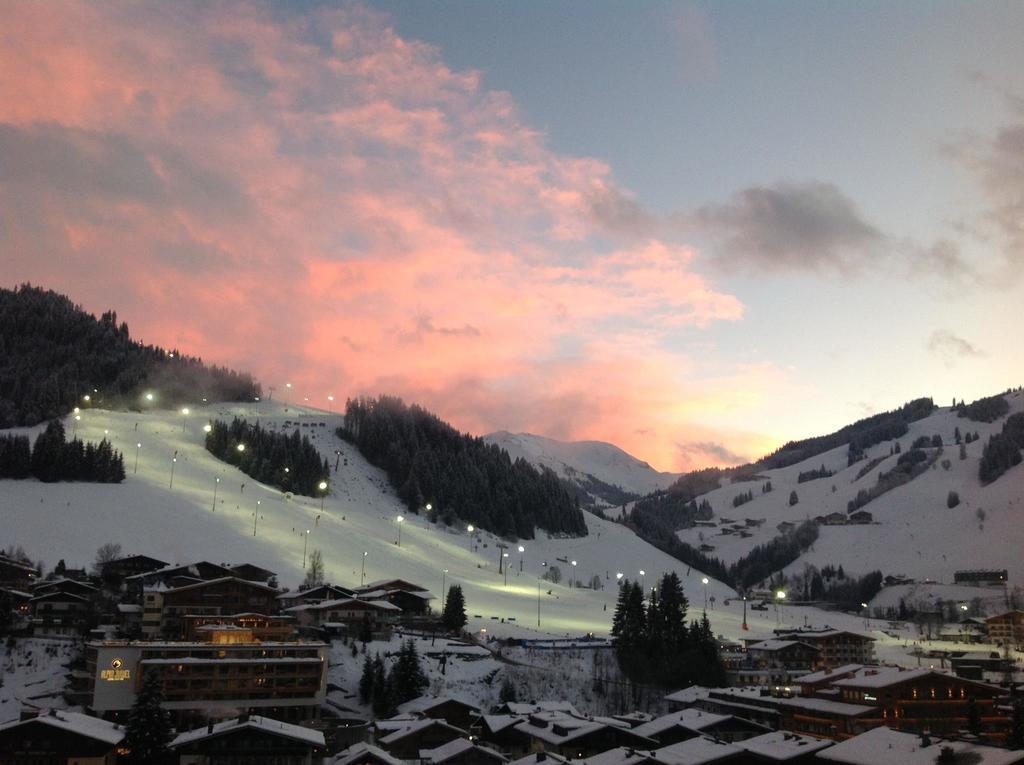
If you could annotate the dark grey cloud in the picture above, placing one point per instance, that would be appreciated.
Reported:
(951, 347)
(424, 325)
(696, 451)
(791, 226)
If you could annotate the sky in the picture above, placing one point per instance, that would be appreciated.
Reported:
(695, 230)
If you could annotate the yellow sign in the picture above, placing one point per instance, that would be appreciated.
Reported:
(115, 674)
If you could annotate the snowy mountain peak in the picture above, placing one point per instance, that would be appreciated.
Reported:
(597, 467)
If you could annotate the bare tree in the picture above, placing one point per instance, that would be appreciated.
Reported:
(315, 570)
(107, 552)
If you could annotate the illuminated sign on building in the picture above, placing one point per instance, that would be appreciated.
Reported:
(115, 673)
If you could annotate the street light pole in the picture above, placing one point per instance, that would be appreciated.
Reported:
(216, 485)
(505, 555)
(521, 551)
(184, 418)
(538, 602)
(571, 585)
(255, 517)
(705, 581)
(444, 573)
(362, 573)
(305, 542)
(137, 447)
(469, 532)
(174, 461)
(398, 522)
(323, 494)
(643, 582)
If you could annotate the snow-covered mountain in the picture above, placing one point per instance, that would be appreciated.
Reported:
(912, 530)
(603, 471)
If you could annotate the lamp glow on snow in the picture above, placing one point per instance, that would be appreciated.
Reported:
(323, 493)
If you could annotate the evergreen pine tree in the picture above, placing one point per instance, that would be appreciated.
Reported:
(148, 730)
(366, 680)
(381, 702)
(454, 615)
(507, 693)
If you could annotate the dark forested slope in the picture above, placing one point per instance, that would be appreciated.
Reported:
(53, 354)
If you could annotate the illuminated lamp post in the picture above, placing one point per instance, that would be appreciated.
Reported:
(184, 417)
(255, 517)
(643, 581)
(469, 531)
(362, 573)
(323, 494)
(571, 585)
(705, 582)
(305, 542)
(521, 551)
(779, 597)
(174, 461)
(444, 573)
(505, 555)
(216, 485)
(398, 523)
(137, 447)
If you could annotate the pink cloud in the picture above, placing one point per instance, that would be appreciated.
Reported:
(319, 200)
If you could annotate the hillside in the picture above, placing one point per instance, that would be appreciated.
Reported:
(604, 473)
(54, 356)
(912, 530)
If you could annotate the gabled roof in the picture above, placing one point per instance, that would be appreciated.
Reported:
(46, 584)
(696, 751)
(392, 584)
(887, 676)
(221, 580)
(776, 644)
(352, 603)
(188, 569)
(521, 708)
(157, 563)
(884, 746)
(689, 695)
(498, 723)
(781, 746)
(426, 703)
(540, 758)
(59, 596)
(73, 722)
(412, 727)
(264, 724)
(360, 753)
(824, 675)
(454, 748)
(621, 755)
(691, 719)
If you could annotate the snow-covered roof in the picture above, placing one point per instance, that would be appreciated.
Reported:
(362, 752)
(540, 757)
(823, 675)
(425, 703)
(60, 596)
(619, 756)
(382, 584)
(254, 722)
(381, 605)
(884, 746)
(220, 580)
(454, 748)
(415, 726)
(521, 708)
(776, 644)
(826, 706)
(46, 583)
(780, 745)
(689, 695)
(692, 719)
(695, 751)
(496, 723)
(74, 722)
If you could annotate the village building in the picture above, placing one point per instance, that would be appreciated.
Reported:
(165, 608)
(211, 678)
(121, 568)
(461, 752)
(57, 736)
(248, 740)
(347, 614)
(364, 754)
(452, 710)
(261, 627)
(691, 723)
(404, 738)
(784, 748)
(1006, 629)
(577, 736)
(60, 614)
(17, 574)
(311, 595)
(836, 647)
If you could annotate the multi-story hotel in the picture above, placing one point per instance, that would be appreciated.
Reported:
(222, 673)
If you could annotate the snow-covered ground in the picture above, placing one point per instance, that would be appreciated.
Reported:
(179, 524)
(145, 515)
(914, 533)
(33, 671)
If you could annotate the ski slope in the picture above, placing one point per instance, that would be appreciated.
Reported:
(145, 514)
